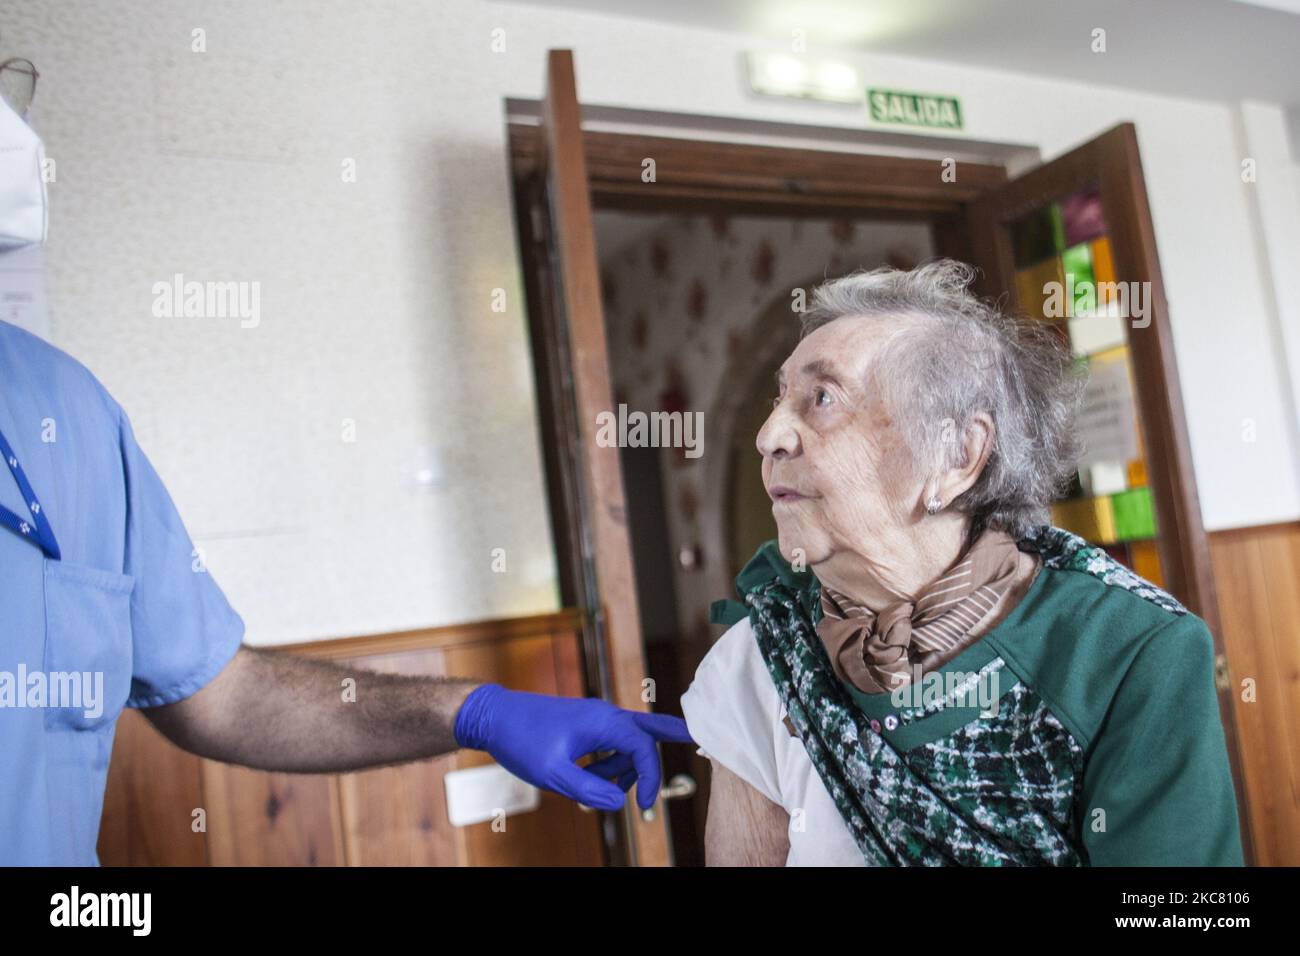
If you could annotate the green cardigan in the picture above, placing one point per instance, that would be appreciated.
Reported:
(1106, 747)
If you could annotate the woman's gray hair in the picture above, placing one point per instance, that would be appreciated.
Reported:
(953, 356)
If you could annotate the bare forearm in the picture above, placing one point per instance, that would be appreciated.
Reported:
(277, 711)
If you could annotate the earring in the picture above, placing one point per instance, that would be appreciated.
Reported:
(934, 505)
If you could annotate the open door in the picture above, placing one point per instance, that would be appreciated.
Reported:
(1072, 243)
(587, 504)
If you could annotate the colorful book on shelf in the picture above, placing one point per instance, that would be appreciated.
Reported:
(1103, 269)
(1030, 284)
(1091, 518)
(1134, 514)
(1146, 561)
(1076, 265)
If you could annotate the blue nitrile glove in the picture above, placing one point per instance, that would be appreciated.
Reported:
(538, 737)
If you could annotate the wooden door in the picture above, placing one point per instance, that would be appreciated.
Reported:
(589, 518)
(1081, 218)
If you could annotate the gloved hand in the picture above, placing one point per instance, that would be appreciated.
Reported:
(538, 737)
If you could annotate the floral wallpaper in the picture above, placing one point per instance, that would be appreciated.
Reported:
(681, 304)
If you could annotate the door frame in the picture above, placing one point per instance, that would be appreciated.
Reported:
(696, 176)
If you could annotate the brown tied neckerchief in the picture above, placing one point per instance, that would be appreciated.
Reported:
(877, 653)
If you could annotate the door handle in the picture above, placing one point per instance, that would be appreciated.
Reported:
(679, 787)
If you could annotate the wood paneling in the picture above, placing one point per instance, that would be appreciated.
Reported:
(153, 789)
(1257, 576)
(395, 815)
(389, 813)
(271, 819)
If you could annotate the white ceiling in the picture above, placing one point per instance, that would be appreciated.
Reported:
(1203, 49)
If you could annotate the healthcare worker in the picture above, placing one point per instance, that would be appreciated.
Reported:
(103, 606)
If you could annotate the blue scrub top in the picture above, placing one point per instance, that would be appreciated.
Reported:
(128, 598)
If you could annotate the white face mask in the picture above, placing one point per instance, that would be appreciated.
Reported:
(23, 200)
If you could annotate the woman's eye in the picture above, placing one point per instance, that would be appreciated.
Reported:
(820, 394)
(776, 401)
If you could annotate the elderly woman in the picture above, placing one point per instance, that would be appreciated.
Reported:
(923, 671)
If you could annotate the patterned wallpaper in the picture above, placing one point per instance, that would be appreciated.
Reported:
(684, 305)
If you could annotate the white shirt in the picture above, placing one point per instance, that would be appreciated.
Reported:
(736, 716)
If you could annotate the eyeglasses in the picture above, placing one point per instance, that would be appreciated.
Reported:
(18, 83)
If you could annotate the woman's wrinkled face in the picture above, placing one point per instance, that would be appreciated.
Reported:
(833, 463)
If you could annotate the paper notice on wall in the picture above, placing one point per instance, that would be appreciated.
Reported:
(1107, 422)
(22, 289)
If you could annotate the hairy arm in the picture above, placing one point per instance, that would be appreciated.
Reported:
(276, 711)
(744, 828)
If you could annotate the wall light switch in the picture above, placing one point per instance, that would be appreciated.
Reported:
(479, 794)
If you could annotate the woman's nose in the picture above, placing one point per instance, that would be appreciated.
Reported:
(778, 437)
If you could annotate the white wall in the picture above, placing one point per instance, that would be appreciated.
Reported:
(376, 295)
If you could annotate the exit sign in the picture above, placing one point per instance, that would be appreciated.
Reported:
(914, 109)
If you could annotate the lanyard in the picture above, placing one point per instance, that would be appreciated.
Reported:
(37, 530)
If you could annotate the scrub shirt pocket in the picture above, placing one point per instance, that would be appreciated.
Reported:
(87, 632)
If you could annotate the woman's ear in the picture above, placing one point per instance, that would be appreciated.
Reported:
(977, 445)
